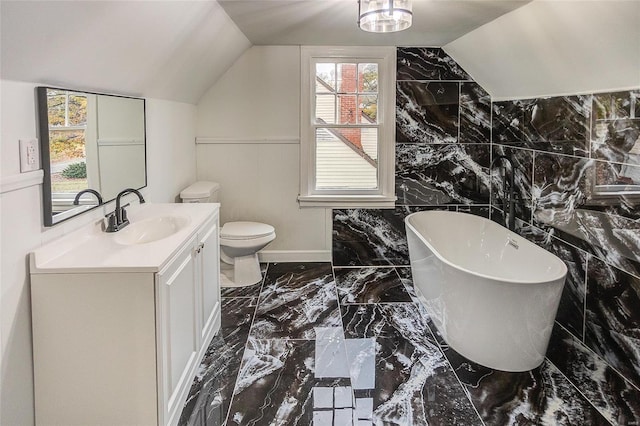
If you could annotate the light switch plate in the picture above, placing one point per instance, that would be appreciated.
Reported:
(29, 155)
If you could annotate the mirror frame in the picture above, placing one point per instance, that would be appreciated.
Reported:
(45, 158)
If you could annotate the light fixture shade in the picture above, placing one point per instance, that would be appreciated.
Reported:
(384, 16)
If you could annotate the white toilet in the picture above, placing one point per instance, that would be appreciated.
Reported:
(239, 241)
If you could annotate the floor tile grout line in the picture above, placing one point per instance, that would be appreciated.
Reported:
(344, 338)
(414, 302)
(378, 303)
(579, 391)
(369, 266)
(246, 344)
(462, 386)
(219, 332)
(600, 358)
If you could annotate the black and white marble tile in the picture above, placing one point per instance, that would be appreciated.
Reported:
(293, 382)
(370, 285)
(559, 124)
(369, 380)
(565, 202)
(427, 63)
(612, 105)
(616, 399)
(381, 364)
(369, 237)
(442, 174)
(210, 393)
(407, 320)
(246, 291)
(542, 396)
(611, 237)
(295, 300)
(618, 141)
(407, 279)
(475, 114)
(559, 188)
(562, 120)
(427, 112)
(475, 209)
(508, 122)
(414, 385)
(413, 381)
(613, 317)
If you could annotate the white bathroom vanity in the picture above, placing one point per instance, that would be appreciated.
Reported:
(121, 320)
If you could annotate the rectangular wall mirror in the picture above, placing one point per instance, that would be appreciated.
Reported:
(88, 141)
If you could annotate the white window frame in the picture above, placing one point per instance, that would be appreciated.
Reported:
(384, 195)
(65, 199)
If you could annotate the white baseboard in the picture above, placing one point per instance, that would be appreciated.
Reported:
(285, 256)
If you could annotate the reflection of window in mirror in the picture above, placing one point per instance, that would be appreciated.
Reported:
(609, 181)
(67, 146)
(618, 143)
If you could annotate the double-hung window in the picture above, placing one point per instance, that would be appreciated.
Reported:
(347, 126)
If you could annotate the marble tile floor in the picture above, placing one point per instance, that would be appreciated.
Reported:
(317, 345)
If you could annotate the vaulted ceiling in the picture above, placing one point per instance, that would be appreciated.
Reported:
(161, 49)
(334, 22)
(178, 49)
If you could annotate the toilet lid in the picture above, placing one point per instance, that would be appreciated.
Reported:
(245, 230)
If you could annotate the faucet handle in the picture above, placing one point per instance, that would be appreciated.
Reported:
(112, 225)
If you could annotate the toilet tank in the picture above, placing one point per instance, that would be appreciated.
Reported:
(201, 192)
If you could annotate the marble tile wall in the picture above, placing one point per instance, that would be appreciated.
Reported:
(578, 190)
(443, 151)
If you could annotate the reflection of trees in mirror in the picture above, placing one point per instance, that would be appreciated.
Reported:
(65, 145)
(67, 113)
(66, 108)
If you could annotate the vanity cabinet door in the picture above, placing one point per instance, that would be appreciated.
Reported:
(179, 335)
(209, 262)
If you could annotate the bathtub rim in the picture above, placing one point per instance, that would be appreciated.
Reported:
(500, 280)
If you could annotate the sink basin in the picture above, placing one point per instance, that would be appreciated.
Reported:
(150, 230)
(155, 234)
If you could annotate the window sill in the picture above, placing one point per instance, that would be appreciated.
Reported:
(347, 201)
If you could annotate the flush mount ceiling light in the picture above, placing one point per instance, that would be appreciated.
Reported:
(384, 16)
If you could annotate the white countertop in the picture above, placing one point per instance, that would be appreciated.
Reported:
(90, 249)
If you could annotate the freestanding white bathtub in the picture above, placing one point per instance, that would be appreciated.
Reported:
(492, 294)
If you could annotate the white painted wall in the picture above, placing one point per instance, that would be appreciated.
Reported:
(171, 159)
(257, 98)
(551, 47)
(171, 149)
(248, 130)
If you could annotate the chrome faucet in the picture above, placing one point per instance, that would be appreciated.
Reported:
(76, 201)
(118, 218)
(511, 197)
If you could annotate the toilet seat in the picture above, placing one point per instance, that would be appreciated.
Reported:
(245, 230)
